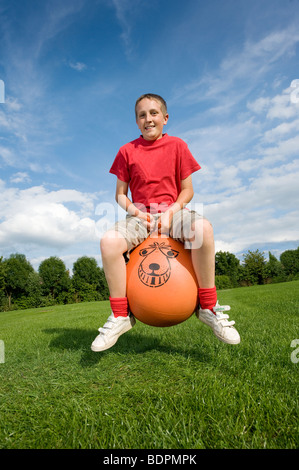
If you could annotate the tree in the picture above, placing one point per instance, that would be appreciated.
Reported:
(88, 280)
(86, 269)
(34, 290)
(227, 264)
(290, 261)
(274, 269)
(104, 289)
(254, 267)
(17, 273)
(2, 282)
(54, 276)
(85, 279)
(2, 274)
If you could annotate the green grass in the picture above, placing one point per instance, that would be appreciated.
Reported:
(157, 388)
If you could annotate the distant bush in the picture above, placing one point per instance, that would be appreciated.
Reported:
(223, 282)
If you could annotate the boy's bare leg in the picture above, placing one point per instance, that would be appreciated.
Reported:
(203, 259)
(203, 255)
(113, 245)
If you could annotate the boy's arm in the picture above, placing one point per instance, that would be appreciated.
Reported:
(184, 197)
(121, 197)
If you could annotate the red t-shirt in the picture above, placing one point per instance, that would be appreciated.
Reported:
(154, 170)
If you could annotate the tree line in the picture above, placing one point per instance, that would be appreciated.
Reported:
(23, 287)
(255, 269)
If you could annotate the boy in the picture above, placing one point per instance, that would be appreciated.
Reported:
(158, 170)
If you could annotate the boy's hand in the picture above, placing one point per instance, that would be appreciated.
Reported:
(148, 221)
(164, 222)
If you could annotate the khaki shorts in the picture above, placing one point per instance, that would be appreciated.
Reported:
(134, 231)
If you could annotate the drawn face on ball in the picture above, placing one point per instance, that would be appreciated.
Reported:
(155, 268)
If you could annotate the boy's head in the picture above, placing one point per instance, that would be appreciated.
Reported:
(152, 96)
(151, 115)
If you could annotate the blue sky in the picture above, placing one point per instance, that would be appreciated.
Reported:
(72, 71)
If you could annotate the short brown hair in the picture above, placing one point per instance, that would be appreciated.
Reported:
(153, 96)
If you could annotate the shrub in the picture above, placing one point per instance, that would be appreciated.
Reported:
(223, 282)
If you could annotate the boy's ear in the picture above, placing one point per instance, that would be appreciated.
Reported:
(166, 118)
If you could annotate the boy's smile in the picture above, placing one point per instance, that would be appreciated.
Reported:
(150, 119)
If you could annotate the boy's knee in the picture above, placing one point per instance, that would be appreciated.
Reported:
(207, 227)
(112, 243)
(202, 233)
(202, 227)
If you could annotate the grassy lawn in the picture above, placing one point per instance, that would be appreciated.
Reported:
(157, 388)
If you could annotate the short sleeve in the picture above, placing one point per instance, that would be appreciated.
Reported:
(120, 167)
(188, 163)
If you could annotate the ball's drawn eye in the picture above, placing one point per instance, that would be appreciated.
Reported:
(146, 251)
(170, 253)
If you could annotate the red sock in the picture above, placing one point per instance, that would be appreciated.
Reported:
(119, 306)
(207, 298)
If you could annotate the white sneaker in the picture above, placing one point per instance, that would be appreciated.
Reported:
(222, 328)
(111, 331)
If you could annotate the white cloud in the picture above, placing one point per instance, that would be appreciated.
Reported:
(122, 8)
(51, 219)
(79, 66)
(221, 141)
(285, 148)
(259, 105)
(20, 177)
(240, 72)
(7, 155)
(251, 196)
(126, 13)
(13, 104)
(263, 211)
(281, 130)
(280, 106)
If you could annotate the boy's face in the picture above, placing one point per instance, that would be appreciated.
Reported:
(150, 119)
